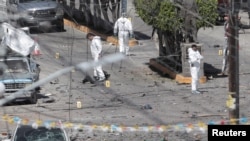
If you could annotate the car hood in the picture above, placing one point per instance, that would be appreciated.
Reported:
(38, 5)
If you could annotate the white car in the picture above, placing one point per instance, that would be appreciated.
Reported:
(29, 133)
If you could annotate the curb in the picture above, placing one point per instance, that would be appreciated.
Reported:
(110, 39)
(179, 78)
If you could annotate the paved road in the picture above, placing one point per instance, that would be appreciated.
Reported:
(137, 96)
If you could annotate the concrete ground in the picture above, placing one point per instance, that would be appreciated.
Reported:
(140, 103)
(139, 96)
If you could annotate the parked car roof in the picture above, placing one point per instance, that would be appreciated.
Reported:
(41, 133)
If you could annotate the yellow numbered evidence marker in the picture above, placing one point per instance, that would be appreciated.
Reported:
(57, 55)
(107, 83)
(220, 52)
(79, 104)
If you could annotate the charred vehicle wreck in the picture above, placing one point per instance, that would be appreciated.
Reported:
(18, 69)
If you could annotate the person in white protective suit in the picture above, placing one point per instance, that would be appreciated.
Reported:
(123, 29)
(225, 48)
(96, 49)
(194, 61)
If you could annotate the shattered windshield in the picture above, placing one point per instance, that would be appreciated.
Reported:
(16, 66)
(27, 133)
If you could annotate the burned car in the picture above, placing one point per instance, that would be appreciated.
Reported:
(18, 72)
(18, 68)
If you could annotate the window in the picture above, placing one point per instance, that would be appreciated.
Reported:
(28, 133)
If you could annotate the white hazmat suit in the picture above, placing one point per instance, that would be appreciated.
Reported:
(194, 60)
(123, 27)
(96, 49)
(225, 49)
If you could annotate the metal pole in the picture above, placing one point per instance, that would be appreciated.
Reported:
(87, 50)
(234, 61)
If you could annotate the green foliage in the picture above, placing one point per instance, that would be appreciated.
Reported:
(207, 10)
(167, 18)
(148, 10)
(164, 14)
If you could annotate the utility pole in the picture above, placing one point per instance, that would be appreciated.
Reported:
(233, 44)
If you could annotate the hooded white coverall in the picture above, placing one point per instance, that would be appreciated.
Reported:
(194, 60)
(225, 49)
(96, 49)
(123, 27)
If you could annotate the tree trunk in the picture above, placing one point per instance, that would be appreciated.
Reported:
(190, 29)
(162, 46)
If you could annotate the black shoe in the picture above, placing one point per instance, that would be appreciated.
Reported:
(84, 80)
(107, 76)
(88, 79)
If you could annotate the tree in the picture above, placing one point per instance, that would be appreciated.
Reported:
(176, 21)
(167, 15)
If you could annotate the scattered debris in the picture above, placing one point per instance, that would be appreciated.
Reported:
(205, 115)
(56, 81)
(146, 107)
(48, 94)
(143, 95)
(48, 100)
